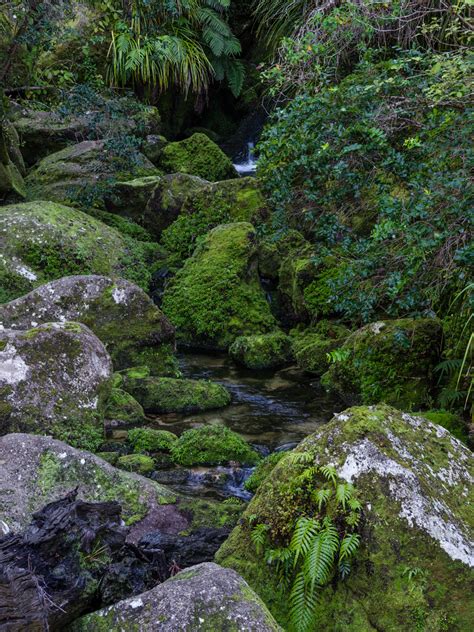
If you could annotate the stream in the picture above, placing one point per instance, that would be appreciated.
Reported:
(273, 410)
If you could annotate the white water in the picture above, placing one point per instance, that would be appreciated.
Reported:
(249, 163)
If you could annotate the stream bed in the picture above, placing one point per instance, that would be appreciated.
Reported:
(273, 410)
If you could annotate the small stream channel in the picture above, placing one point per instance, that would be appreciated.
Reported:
(273, 410)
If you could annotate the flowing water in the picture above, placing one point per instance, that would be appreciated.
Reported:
(273, 410)
(247, 165)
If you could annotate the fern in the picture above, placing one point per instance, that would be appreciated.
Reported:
(303, 535)
(344, 494)
(299, 458)
(259, 537)
(318, 563)
(329, 472)
(321, 497)
(349, 546)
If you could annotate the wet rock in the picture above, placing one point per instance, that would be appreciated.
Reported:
(81, 175)
(167, 395)
(390, 361)
(41, 241)
(129, 199)
(123, 409)
(125, 319)
(217, 295)
(37, 470)
(71, 557)
(54, 379)
(201, 598)
(262, 352)
(184, 551)
(414, 481)
(199, 156)
(152, 147)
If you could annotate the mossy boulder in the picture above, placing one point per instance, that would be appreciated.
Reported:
(11, 176)
(125, 319)
(199, 156)
(129, 199)
(54, 379)
(37, 470)
(139, 463)
(266, 351)
(167, 198)
(217, 295)
(262, 471)
(169, 395)
(212, 445)
(123, 408)
(312, 346)
(44, 132)
(203, 598)
(454, 423)
(83, 174)
(41, 241)
(414, 564)
(389, 361)
(152, 146)
(150, 440)
(205, 207)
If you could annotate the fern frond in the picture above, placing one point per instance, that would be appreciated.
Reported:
(299, 458)
(259, 537)
(320, 559)
(354, 504)
(303, 535)
(321, 497)
(344, 493)
(349, 546)
(343, 568)
(303, 604)
(329, 472)
(235, 73)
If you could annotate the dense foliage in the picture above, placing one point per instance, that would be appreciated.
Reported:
(376, 170)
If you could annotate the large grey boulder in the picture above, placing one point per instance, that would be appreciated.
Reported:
(133, 329)
(203, 598)
(55, 379)
(415, 484)
(84, 173)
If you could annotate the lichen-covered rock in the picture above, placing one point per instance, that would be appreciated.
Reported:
(212, 445)
(389, 361)
(125, 319)
(152, 147)
(37, 470)
(236, 200)
(167, 199)
(83, 174)
(129, 199)
(54, 379)
(46, 132)
(414, 565)
(217, 295)
(41, 241)
(167, 395)
(122, 408)
(203, 598)
(262, 352)
(312, 347)
(199, 156)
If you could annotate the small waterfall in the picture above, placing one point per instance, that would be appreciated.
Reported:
(247, 166)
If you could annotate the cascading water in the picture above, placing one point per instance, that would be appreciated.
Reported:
(248, 165)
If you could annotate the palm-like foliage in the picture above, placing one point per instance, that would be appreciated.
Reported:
(179, 43)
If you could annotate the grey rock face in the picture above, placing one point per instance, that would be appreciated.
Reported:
(53, 379)
(123, 317)
(203, 598)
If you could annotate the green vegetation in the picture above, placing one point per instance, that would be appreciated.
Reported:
(150, 440)
(262, 470)
(121, 406)
(262, 352)
(139, 463)
(212, 445)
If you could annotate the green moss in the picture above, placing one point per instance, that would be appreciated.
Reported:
(452, 422)
(210, 513)
(110, 457)
(212, 445)
(217, 296)
(263, 469)
(122, 406)
(162, 395)
(238, 200)
(139, 463)
(199, 156)
(262, 352)
(79, 433)
(388, 361)
(150, 440)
